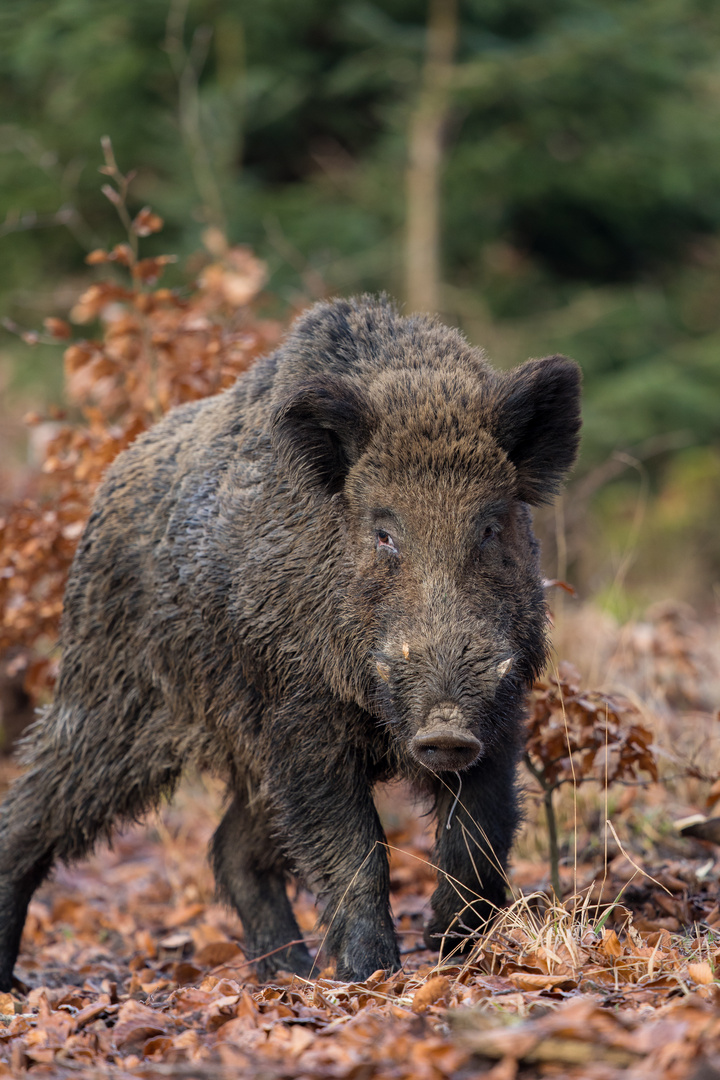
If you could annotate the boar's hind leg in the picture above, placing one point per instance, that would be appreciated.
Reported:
(251, 873)
(18, 882)
(82, 777)
(472, 854)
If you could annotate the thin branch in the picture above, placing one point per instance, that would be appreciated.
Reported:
(188, 66)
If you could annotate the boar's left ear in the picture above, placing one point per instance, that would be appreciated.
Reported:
(538, 424)
(320, 431)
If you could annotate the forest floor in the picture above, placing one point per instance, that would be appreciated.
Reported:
(131, 969)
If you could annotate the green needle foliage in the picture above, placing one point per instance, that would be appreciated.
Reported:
(579, 188)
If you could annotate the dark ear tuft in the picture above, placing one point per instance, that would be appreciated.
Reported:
(320, 431)
(538, 424)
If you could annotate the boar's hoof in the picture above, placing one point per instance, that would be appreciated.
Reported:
(443, 750)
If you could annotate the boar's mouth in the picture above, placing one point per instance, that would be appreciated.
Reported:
(441, 750)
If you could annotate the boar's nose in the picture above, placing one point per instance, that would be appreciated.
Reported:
(444, 749)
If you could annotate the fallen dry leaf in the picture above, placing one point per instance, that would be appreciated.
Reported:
(701, 972)
(136, 1023)
(217, 952)
(611, 944)
(525, 980)
(431, 992)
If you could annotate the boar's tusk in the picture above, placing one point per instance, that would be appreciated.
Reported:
(406, 650)
(383, 670)
(503, 668)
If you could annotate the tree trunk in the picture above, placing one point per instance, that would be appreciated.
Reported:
(425, 152)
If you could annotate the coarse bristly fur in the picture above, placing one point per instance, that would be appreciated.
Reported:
(323, 577)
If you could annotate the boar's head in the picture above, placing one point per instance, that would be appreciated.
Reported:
(430, 465)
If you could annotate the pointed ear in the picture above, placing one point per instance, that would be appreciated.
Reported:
(320, 431)
(538, 424)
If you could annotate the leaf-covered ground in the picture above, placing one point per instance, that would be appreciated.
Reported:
(131, 968)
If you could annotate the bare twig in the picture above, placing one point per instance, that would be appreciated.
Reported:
(187, 66)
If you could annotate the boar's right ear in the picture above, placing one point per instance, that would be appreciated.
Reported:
(320, 431)
(538, 424)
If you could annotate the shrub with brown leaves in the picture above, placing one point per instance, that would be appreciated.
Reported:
(574, 735)
(157, 347)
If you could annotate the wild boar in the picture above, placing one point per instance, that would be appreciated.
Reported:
(321, 578)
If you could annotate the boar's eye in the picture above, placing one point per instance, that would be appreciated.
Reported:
(488, 532)
(384, 541)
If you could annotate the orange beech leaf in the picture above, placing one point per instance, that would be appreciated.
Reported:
(611, 944)
(433, 991)
(136, 1023)
(149, 270)
(123, 254)
(701, 972)
(525, 980)
(157, 1046)
(59, 328)
(217, 952)
(76, 355)
(147, 222)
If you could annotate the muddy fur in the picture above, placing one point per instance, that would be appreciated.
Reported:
(321, 578)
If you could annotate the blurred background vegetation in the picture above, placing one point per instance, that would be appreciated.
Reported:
(547, 176)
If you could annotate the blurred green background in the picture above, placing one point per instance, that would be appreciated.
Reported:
(547, 175)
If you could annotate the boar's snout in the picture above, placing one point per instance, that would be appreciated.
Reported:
(444, 751)
(444, 743)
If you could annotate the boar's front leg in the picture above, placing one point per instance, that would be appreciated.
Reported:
(333, 834)
(472, 853)
(251, 873)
